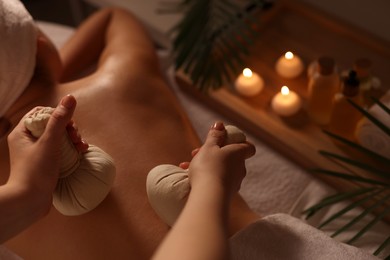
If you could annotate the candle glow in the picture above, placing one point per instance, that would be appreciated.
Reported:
(289, 65)
(247, 73)
(285, 91)
(289, 55)
(249, 83)
(286, 102)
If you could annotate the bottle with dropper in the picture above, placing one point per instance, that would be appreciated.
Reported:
(363, 71)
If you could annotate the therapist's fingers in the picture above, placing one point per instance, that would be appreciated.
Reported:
(80, 144)
(195, 151)
(243, 150)
(184, 165)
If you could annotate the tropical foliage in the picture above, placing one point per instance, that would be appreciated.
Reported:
(211, 39)
(373, 193)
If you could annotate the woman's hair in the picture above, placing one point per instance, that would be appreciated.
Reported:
(18, 46)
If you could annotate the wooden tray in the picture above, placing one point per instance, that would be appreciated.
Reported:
(310, 33)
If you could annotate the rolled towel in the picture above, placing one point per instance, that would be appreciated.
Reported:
(168, 186)
(18, 47)
(85, 178)
(372, 137)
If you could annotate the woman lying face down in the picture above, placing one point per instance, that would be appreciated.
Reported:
(124, 106)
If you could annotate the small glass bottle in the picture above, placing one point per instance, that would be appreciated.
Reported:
(344, 116)
(363, 70)
(323, 85)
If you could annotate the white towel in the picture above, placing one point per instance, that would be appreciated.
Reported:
(18, 44)
(281, 236)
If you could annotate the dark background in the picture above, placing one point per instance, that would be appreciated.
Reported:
(58, 11)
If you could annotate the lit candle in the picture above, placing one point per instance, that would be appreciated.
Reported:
(289, 66)
(249, 83)
(286, 102)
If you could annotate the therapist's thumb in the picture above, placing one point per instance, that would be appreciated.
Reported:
(216, 135)
(60, 117)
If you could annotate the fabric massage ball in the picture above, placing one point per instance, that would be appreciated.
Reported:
(168, 185)
(85, 178)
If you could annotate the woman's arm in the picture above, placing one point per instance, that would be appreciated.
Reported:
(109, 39)
(201, 231)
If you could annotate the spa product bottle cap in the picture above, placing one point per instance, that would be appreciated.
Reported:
(351, 84)
(326, 65)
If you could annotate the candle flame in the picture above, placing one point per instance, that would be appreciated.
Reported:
(285, 90)
(289, 55)
(247, 73)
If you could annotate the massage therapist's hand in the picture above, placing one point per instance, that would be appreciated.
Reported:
(27, 195)
(215, 175)
(220, 165)
(80, 144)
(35, 162)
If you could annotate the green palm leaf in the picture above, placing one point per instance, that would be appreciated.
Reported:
(350, 207)
(359, 164)
(372, 118)
(373, 188)
(357, 147)
(200, 44)
(381, 105)
(359, 217)
(370, 224)
(349, 177)
(334, 199)
(382, 246)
